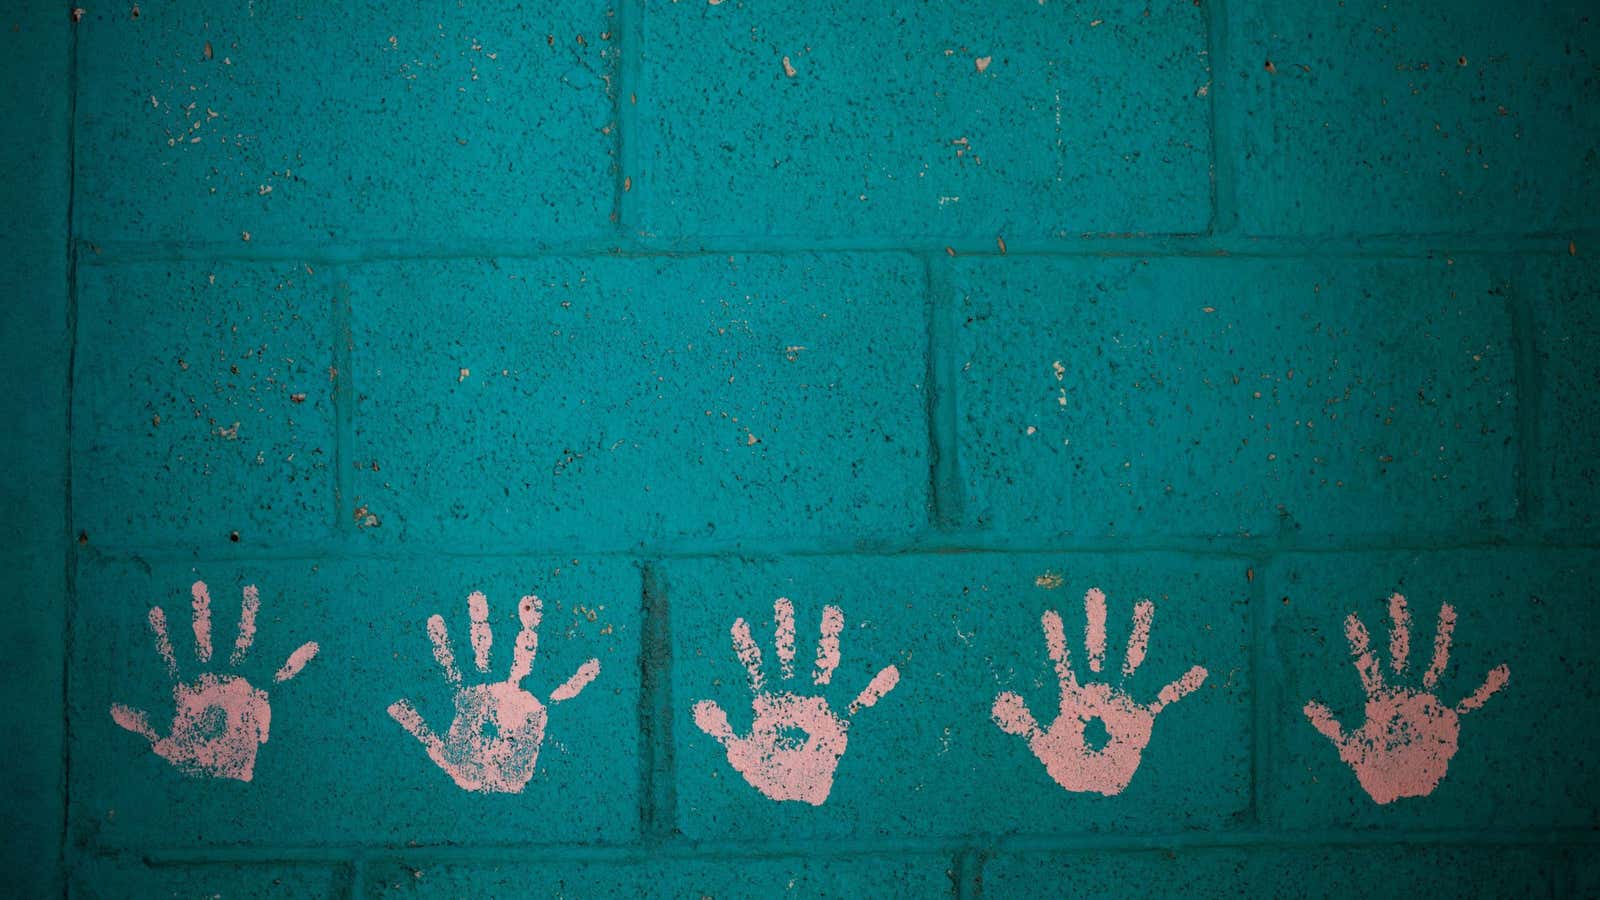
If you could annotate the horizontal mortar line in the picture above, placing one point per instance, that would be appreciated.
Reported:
(934, 546)
(1145, 243)
(681, 848)
(1377, 247)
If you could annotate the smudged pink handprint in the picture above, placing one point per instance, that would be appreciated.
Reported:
(1063, 748)
(493, 742)
(1405, 746)
(218, 721)
(795, 741)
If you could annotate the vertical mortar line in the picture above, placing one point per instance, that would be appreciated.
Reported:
(658, 795)
(944, 472)
(1527, 373)
(343, 396)
(1224, 184)
(960, 869)
(354, 873)
(70, 601)
(1260, 710)
(629, 27)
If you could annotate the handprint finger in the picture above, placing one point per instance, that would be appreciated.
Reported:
(783, 620)
(1361, 649)
(530, 612)
(881, 683)
(158, 629)
(1498, 676)
(1094, 629)
(1441, 646)
(1055, 640)
(574, 686)
(828, 644)
(479, 632)
(403, 712)
(745, 647)
(1143, 613)
(134, 720)
(202, 621)
(1323, 721)
(249, 605)
(441, 648)
(1186, 684)
(1399, 634)
(296, 661)
(710, 718)
(1011, 713)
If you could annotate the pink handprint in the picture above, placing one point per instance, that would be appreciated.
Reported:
(218, 721)
(1405, 747)
(774, 761)
(1063, 750)
(493, 743)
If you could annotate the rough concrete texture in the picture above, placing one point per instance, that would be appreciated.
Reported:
(922, 120)
(1380, 118)
(298, 121)
(987, 426)
(609, 402)
(1312, 393)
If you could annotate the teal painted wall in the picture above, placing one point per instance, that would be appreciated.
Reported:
(939, 314)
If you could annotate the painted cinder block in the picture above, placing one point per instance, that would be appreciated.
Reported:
(1365, 117)
(1204, 397)
(34, 314)
(35, 41)
(928, 759)
(336, 769)
(1523, 757)
(35, 304)
(1276, 871)
(605, 402)
(707, 876)
(872, 123)
(34, 497)
(124, 877)
(300, 121)
(1566, 338)
(204, 404)
(1585, 872)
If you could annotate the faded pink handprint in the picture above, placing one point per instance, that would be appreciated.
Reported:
(771, 757)
(1062, 748)
(1405, 746)
(493, 743)
(218, 721)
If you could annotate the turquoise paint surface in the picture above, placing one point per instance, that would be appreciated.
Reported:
(941, 314)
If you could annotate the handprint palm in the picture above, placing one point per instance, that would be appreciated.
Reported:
(219, 721)
(1409, 738)
(777, 765)
(493, 743)
(1063, 748)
